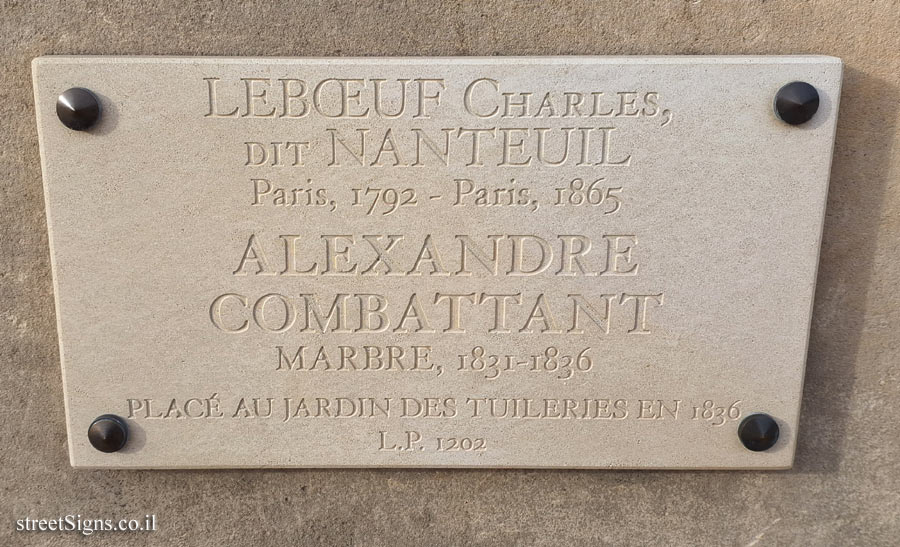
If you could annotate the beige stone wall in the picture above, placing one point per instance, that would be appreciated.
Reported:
(845, 487)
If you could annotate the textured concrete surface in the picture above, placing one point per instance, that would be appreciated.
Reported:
(844, 487)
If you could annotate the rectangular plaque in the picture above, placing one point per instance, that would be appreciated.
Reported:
(572, 262)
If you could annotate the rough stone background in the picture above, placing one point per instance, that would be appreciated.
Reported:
(845, 487)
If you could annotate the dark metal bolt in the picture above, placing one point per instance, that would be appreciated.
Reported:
(78, 108)
(796, 103)
(758, 432)
(108, 433)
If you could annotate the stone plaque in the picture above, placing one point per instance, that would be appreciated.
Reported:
(574, 262)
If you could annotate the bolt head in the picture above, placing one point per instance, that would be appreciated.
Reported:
(108, 433)
(758, 432)
(796, 103)
(78, 108)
